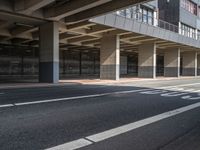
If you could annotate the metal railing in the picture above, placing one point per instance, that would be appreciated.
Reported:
(167, 26)
(150, 20)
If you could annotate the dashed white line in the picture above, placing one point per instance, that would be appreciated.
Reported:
(6, 105)
(71, 98)
(122, 129)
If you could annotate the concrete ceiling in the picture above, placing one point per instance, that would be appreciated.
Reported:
(19, 21)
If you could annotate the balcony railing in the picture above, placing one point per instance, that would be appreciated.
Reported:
(150, 20)
(167, 26)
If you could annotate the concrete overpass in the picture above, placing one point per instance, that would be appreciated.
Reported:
(20, 21)
(78, 24)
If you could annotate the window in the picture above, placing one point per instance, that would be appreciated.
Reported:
(143, 14)
(189, 6)
(198, 35)
(188, 31)
(147, 15)
(129, 13)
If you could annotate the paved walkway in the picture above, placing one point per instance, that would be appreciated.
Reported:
(84, 81)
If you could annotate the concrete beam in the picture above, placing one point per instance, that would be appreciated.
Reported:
(80, 39)
(72, 7)
(98, 29)
(79, 25)
(22, 29)
(29, 6)
(102, 9)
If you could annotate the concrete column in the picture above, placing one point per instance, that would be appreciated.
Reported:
(198, 64)
(190, 63)
(172, 63)
(49, 53)
(147, 60)
(110, 57)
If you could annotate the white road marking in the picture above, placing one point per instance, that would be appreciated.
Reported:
(6, 105)
(123, 129)
(180, 85)
(191, 97)
(72, 145)
(173, 94)
(73, 98)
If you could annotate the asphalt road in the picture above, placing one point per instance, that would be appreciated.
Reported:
(45, 117)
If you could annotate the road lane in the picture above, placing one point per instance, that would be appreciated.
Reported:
(46, 125)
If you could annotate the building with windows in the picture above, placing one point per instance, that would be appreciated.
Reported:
(182, 13)
(51, 40)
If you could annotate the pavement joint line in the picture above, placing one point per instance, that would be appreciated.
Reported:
(71, 98)
(89, 140)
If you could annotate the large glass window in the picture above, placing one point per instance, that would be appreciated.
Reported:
(198, 35)
(18, 60)
(147, 15)
(188, 31)
(143, 14)
(189, 6)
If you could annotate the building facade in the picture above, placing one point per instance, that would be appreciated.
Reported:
(142, 38)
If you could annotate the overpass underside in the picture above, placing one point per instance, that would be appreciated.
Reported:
(48, 49)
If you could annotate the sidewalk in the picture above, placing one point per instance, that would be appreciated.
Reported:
(84, 82)
(190, 141)
(122, 80)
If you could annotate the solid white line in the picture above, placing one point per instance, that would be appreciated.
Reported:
(126, 128)
(122, 129)
(73, 98)
(72, 145)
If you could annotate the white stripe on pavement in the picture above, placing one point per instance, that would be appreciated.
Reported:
(6, 105)
(123, 129)
(174, 86)
(72, 145)
(71, 98)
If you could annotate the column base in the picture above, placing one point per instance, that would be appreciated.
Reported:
(49, 72)
(188, 72)
(109, 72)
(146, 72)
(171, 72)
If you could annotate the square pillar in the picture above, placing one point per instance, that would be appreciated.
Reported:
(147, 60)
(110, 57)
(198, 64)
(189, 63)
(172, 63)
(49, 53)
